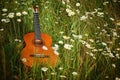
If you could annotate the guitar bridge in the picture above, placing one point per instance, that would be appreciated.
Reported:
(39, 55)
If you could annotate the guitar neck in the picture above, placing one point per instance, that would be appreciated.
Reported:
(36, 26)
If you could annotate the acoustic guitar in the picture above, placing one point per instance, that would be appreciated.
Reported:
(38, 48)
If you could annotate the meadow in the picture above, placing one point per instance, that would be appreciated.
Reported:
(85, 36)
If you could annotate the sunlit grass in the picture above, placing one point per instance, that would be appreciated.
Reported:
(85, 37)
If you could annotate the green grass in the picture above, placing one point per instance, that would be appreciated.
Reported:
(95, 54)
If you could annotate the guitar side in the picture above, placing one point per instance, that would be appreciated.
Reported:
(31, 49)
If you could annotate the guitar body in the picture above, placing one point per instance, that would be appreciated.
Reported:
(41, 54)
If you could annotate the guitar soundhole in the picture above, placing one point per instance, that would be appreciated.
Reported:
(37, 42)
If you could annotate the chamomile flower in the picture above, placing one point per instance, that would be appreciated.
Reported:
(114, 33)
(105, 3)
(113, 65)
(24, 13)
(60, 68)
(72, 40)
(11, 15)
(70, 12)
(78, 11)
(77, 4)
(61, 32)
(16, 40)
(53, 73)
(111, 55)
(56, 52)
(18, 14)
(18, 20)
(91, 40)
(68, 46)
(74, 73)
(62, 76)
(112, 19)
(83, 18)
(100, 14)
(55, 47)
(7, 20)
(88, 45)
(117, 78)
(91, 54)
(4, 10)
(66, 37)
(44, 69)
(1, 29)
(103, 43)
(118, 49)
(63, 2)
(60, 42)
(19, 40)
(77, 36)
(118, 23)
(4, 14)
(3, 20)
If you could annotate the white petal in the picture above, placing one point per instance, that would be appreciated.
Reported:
(24, 59)
(44, 48)
(44, 69)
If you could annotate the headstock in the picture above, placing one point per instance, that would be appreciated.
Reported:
(36, 10)
(35, 7)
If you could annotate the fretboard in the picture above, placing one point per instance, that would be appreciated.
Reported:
(36, 27)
